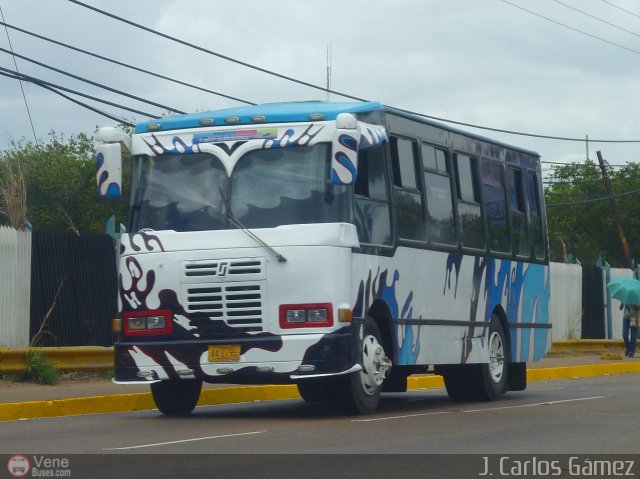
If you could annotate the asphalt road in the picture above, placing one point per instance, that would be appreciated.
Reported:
(597, 415)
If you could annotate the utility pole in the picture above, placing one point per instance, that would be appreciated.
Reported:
(614, 210)
(587, 144)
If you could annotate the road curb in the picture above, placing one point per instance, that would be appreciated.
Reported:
(98, 358)
(230, 395)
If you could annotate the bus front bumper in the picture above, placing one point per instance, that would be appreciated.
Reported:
(263, 358)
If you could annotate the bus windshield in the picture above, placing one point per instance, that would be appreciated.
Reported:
(267, 188)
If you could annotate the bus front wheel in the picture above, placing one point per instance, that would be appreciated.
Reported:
(317, 389)
(361, 390)
(176, 397)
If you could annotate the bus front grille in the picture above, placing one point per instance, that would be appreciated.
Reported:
(215, 271)
(234, 305)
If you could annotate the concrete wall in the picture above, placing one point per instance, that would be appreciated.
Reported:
(15, 287)
(565, 305)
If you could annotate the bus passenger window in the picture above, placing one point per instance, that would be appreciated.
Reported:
(434, 159)
(533, 196)
(517, 212)
(469, 211)
(495, 207)
(371, 208)
(440, 219)
(408, 197)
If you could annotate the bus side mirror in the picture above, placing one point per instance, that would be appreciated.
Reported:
(344, 150)
(109, 170)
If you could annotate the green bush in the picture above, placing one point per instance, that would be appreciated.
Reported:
(40, 370)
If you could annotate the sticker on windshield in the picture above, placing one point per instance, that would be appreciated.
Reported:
(236, 135)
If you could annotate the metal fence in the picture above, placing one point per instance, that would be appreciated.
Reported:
(73, 289)
(15, 273)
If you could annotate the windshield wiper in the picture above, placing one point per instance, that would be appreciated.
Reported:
(235, 222)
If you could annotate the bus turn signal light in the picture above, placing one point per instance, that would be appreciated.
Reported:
(116, 325)
(345, 315)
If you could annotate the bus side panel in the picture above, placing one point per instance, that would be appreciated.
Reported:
(441, 303)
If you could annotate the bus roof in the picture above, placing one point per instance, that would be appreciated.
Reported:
(274, 112)
(292, 112)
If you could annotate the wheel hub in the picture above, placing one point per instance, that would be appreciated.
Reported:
(375, 364)
(496, 357)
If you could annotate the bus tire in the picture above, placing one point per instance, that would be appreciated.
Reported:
(457, 381)
(491, 380)
(317, 390)
(361, 390)
(176, 397)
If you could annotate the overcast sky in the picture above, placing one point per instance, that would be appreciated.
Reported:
(483, 62)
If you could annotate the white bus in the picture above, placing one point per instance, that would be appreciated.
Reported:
(338, 246)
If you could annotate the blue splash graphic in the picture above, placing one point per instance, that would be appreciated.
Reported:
(507, 283)
(179, 146)
(536, 294)
(454, 260)
(494, 290)
(348, 165)
(283, 141)
(377, 288)
(371, 136)
(289, 139)
(409, 350)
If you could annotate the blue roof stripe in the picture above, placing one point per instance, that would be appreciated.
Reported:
(274, 112)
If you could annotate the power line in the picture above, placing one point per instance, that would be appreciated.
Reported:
(90, 82)
(512, 132)
(37, 81)
(581, 165)
(565, 26)
(89, 107)
(620, 8)
(211, 52)
(597, 18)
(324, 89)
(78, 102)
(126, 65)
(24, 96)
(592, 200)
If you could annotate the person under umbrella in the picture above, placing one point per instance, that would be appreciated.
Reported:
(627, 291)
(630, 328)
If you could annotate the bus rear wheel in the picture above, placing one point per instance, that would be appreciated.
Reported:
(457, 381)
(361, 390)
(491, 380)
(176, 397)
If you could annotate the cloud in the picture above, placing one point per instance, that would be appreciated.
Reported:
(484, 62)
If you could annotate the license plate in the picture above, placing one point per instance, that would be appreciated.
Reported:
(224, 352)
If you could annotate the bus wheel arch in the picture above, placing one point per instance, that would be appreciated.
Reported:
(380, 314)
(516, 371)
(500, 314)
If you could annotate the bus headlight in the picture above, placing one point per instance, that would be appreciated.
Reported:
(316, 315)
(138, 323)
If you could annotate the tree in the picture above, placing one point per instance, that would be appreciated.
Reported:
(13, 195)
(579, 215)
(61, 192)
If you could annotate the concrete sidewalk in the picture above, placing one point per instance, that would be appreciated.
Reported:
(84, 393)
